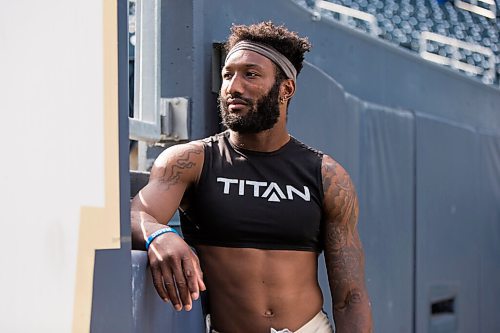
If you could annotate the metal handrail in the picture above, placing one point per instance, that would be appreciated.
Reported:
(474, 7)
(454, 62)
(349, 12)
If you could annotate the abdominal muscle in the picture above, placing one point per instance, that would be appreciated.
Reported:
(252, 290)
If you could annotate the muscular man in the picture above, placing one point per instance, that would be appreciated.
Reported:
(258, 207)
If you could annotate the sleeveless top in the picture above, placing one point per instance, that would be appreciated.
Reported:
(250, 199)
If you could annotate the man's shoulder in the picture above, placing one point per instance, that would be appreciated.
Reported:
(331, 165)
(193, 151)
(213, 138)
(194, 146)
(306, 148)
(335, 176)
(179, 154)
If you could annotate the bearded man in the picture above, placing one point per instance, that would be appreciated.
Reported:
(257, 205)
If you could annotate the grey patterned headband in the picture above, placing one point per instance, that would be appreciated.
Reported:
(268, 52)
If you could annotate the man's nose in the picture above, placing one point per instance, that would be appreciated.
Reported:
(235, 85)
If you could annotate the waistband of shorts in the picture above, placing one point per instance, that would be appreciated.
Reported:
(319, 323)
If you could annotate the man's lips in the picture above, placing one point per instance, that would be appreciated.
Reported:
(236, 103)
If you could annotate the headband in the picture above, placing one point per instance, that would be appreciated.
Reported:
(268, 52)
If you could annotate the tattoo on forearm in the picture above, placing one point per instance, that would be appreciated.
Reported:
(182, 161)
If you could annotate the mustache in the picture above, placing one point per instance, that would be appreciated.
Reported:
(235, 98)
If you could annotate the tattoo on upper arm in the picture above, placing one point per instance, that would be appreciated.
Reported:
(342, 210)
(180, 163)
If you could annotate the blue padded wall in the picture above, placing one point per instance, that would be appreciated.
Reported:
(449, 218)
(489, 245)
(386, 213)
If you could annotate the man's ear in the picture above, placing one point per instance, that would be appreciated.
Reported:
(287, 89)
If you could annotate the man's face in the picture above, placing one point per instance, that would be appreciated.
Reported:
(249, 96)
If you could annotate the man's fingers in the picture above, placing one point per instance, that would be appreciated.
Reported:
(182, 287)
(177, 276)
(191, 277)
(158, 282)
(168, 281)
(199, 275)
(201, 284)
(199, 272)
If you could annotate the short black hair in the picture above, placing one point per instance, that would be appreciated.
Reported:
(287, 42)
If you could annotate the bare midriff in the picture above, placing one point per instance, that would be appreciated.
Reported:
(252, 290)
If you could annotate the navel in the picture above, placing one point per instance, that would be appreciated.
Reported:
(269, 313)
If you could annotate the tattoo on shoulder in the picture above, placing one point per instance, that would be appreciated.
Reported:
(180, 162)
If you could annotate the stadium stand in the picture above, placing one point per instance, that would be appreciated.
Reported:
(467, 32)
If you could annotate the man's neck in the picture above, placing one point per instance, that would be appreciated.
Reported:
(266, 141)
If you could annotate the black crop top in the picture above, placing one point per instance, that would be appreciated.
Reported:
(250, 199)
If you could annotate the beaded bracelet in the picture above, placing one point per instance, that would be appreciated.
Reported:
(158, 233)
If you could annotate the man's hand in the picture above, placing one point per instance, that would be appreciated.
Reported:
(176, 271)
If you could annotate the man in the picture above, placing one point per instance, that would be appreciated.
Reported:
(257, 205)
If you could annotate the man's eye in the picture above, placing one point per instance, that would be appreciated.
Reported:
(226, 76)
(252, 74)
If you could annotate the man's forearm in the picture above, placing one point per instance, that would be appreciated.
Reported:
(142, 225)
(354, 315)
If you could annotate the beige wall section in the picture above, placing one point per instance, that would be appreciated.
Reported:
(100, 227)
(59, 134)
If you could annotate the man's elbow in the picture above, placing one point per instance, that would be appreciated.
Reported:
(352, 312)
(353, 298)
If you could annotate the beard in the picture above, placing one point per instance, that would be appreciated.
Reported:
(262, 114)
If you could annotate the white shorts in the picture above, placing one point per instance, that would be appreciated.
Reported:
(319, 324)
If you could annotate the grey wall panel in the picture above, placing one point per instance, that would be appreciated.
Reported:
(448, 225)
(386, 193)
(111, 299)
(150, 314)
(489, 198)
(186, 46)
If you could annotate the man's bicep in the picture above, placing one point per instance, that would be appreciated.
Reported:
(157, 203)
(172, 173)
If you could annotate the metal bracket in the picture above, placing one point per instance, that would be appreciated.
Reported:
(174, 118)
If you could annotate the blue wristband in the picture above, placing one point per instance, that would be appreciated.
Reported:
(158, 233)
